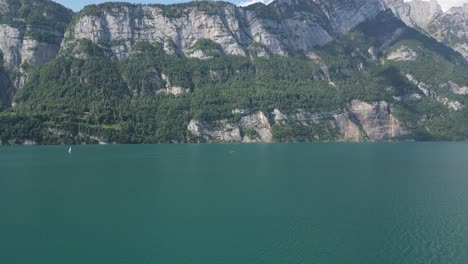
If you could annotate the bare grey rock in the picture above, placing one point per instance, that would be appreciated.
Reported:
(220, 131)
(300, 116)
(258, 122)
(223, 131)
(402, 54)
(424, 88)
(408, 98)
(449, 27)
(453, 105)
(10, 44)
(348, 129)
(28, 142)
(238, 30)
(377, 120)
(462, 48)
(175, 90)
(3, 6)
(317, 60)
(415, 13)
(23, 45)
(457, 89)
(240, 111)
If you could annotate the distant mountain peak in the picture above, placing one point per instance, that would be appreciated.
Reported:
(415, 13)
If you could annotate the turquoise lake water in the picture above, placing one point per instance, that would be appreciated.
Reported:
(395, 203)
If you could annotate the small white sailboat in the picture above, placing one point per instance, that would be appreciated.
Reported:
(69, 150)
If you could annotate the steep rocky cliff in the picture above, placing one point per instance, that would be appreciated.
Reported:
(285, 26)
(449, 27)
(30, 34)
(416, 13)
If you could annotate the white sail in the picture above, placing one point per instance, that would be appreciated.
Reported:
(69, 150)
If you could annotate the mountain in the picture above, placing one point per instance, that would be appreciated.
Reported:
(254, 30)
(31, 32)
(416, 13)
(448, 27)
(451, 28)
(293, 70)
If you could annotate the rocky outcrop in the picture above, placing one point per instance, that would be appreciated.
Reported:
(251, 128)
(19, 49)
(428, 92)
(3, 6)
(377, 120)
(170, 89)
(402, 54)
(317, 60)
(424, 88)
(219, 131)
(298, 25)
(457, 89)
(415, 13)
(29, 38)
(451, 28)
(408, 98)
(258, 124)
(453, 105)
(302, 117)
(461, 48)
(348, 129)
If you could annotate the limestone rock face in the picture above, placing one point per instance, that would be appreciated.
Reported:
(220, 131)
(348, 129)
(457, 89)
(18, 50)
(125, 25)
(10, 43)
(29, 38)
(251, 128)
(451, 28)
(402, 54)
(453, 87)
(3, 6)
(415, 13)
(377, 120)
(170, 89)
(260, 124)
(298, 25)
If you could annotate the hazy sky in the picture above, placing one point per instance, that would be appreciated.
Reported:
(77, 5)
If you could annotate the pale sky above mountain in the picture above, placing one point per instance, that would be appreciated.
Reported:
(77, 5)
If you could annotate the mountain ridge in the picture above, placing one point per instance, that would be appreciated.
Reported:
(293, 70)
(449, 27)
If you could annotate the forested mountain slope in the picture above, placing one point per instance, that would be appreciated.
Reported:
(294, 70)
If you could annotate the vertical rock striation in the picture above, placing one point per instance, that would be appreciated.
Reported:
(29, 38)
(258, 30)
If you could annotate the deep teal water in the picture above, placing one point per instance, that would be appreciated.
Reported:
(225, 204)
